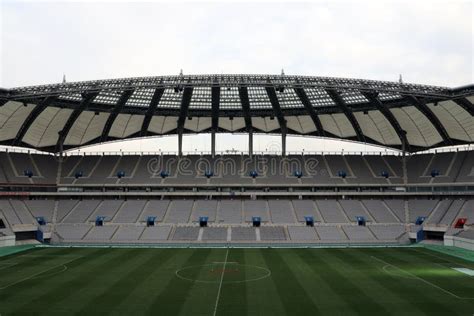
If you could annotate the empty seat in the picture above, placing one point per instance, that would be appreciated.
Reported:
(243, 234)
(215, 233)
(302, 233)
(272, 233)
(186, 233)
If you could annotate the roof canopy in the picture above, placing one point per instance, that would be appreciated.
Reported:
(69, 115)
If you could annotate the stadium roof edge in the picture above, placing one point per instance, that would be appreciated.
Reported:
(397, 115)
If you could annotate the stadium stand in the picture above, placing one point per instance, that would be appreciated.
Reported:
(281, 211)
(50, 186)
(302, 233)
(230, 212)
(186, 233)
(128, 233)
(272, 233)
(330, 233)
(243, 234)
(155, 233)
(215, 234)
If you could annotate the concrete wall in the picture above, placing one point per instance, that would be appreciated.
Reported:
(459, 242)
(7, 241)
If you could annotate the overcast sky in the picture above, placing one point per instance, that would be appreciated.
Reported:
(427, 42)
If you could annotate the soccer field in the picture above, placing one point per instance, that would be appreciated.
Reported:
(156, 281)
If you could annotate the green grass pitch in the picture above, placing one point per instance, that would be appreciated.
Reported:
(201, 281)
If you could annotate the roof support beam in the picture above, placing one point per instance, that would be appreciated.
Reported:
(423, 108)
(185, 101)
(279, 114)
(466, 105)
(126, 94)
(87, 98)
(215, 100)
(244, 100)
(336, 97)
(377, 103)
(151, 110)
(311, 111)
(39, 108)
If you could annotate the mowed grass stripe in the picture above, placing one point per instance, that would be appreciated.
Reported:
(104, 281)
(201, 297)
(143, 281)
(318, 283)
(262, 295)
(233, 298)
(22, 271)
(293, 296)
(426, 297)
(130, 275)
(341, 278)
(389, 289)
(43, 290)
(362, 274)
(43, 256)
(443, 258)
(81, 282)
(143, 296)
(170, 299)
(436, 273)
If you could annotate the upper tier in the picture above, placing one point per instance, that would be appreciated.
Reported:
(235, 170)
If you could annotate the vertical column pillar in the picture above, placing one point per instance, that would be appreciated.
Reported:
(250, 143)
(213, 144)
(180, 143)
(283, 144)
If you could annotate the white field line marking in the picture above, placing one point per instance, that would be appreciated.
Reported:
(47, 255)
(51, 274)
(230, 262)
(7, 265)
(444, 259)
(468, 272)
(177, 273)
(424, 281)
(220, 284)
(36, 274)
(394, 274)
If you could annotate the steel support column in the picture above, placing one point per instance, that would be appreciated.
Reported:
(279, 115)
(151, 110)
(215, 99)
(126, 94)
(244, 99)
(336, 97)
(39, 108)
(87, 98)
(378, 104)
(185, 101)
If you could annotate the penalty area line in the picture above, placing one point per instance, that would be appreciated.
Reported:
(220, 283)
(39, 273)
(423, 280)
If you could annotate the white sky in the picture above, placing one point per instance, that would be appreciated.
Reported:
(428, 42)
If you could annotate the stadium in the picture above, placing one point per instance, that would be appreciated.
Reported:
(173, 232)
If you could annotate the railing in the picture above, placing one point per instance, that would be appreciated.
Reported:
(21, 150)
(234, 152)
(228, 153)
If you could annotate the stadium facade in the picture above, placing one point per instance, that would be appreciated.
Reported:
(249, 198)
